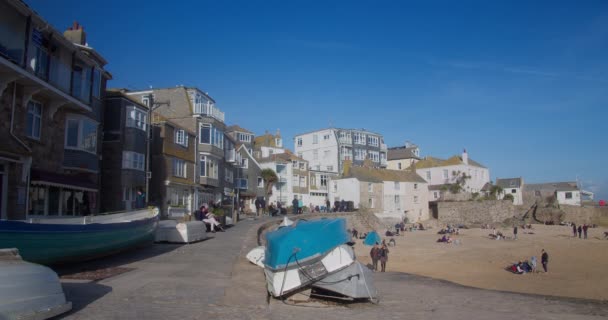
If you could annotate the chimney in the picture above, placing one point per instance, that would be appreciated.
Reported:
(76, 34)
(465, 157)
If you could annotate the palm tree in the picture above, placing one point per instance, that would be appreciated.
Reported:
(270, 178)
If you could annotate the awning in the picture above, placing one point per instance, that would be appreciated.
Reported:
(40, 177)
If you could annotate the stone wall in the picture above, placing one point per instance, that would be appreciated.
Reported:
(589, 215)
(477, 212)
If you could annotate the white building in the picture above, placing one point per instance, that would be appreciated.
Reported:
(567, 193)
(442, 172)
(293, 175)
(327, 149)
(401, 158)
(389, 193)
(512, 186)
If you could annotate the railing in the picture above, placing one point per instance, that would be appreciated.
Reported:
(346, 140)
(209, 110)
(282, 180)
(383, 147)
(383, 162)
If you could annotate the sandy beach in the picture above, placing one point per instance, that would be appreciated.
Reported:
(578, 268)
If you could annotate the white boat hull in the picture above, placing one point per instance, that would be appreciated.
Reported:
(256, 256)
(301, 274)
(185, 232)
(28, 290)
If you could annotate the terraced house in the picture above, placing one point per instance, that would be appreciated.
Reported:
(195, 111)
(51, 99)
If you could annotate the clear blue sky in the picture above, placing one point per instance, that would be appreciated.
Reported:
(523, 85)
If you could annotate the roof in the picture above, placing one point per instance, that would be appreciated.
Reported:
(381, 175)
(431, 162)
(287, 156)
(399, 153)
(236, 127)
(159, 119)
(552, 186)
(265, 140)
(121, 93)
(486, 187)
(509, 183)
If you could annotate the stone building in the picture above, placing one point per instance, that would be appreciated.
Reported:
(402, 157)
(450, 171)
(51, 101)
(125, 153)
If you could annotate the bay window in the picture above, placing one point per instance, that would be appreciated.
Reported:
(81, 134)
(34, 116)
(208, 167)
(181, 137)
(136, 118)
(133, 160)
(179, 168)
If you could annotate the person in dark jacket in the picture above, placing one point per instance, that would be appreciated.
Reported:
(294, 204)
(327, 206)
(580, 231)
(198, 214)
(375, 255)
(574, 229)
(515, 232)
(544, 259)
(585, 227)
(383, 253)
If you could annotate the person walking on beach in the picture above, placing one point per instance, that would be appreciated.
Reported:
(580, 231)
(544, 259)
(585, 227)
(294, 205)
(515, 232)
(383, 257)
(375, 254)
(574, 229)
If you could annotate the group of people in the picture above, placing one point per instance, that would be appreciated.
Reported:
(379, 253)
(580, 230)
(449, 229)
(530, 266)
(203, 214)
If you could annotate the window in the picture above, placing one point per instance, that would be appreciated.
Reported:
(435, 195)
(315, 154)
(299, 142)
(303, 181)
(415, 186)
(260, 182)
(513, 191)
(370, 187)
(244, 163)
(211, 135)
(330, 168)
(370, 203)
(136, 118)
(323, 180)
(399, 165)
(445, 173)
(243, 137)
(568, 195)
(374, 156)
(359, 138)
(294, 163)
(228, 175)
(372, 141)
(96, 83)
(326, 154)
(397, 200)
(205, 135)
(302, 165)
(81, 134)
(208, 167)
(133, 160)
(81, 81)
(397, 186)
(145, 100)
(315, 139)
(360, 154)
(179, 168)
(326, 137)
(179, 197)
(181, 137)
(34, 117)
(129, 194)
(415, 199)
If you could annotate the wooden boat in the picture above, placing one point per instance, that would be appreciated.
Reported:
(304, 252)
(28, 290)
(353, 282)
(184, 232)
(52, 240)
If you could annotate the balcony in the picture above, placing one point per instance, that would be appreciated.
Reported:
(383, 163)
(241, 184)
(209, 110)
(282, 180)
(383, 147)
(345, 140)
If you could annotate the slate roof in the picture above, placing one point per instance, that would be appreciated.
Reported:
(121, 93)
(431, 162)
(399, 153)
(509, 183)
(552, 186)
(236, 127)
(288, 156)
(265, 140)
(381, 175)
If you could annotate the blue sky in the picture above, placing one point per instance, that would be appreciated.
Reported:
(523, 85)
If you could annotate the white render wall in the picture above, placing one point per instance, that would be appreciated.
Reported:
(413, 198)
(287, 190)
(518, 198)
(327, 150)
(574, 201)
(266, 151)
(347, 189)
(479, 176)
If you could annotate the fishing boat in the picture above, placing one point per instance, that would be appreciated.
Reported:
(183, 232)
(28, 290)
(304, 252)
(353, 282)
(52, 240)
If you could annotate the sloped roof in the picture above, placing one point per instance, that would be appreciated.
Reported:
(265, 140)
(431, 162)
(552, 186)
(380, 175)
(121, 93)
(399, 153)
(486, 187)
(287, 156)
(236, 127)
(509, 183)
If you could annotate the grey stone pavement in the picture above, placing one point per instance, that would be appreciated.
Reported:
(213, 280)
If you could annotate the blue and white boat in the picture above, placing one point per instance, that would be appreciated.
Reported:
(307, 251)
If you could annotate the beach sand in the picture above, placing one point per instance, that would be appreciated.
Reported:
(577, 267)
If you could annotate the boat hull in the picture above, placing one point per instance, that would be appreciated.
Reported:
(52, 242)
(355, 281)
